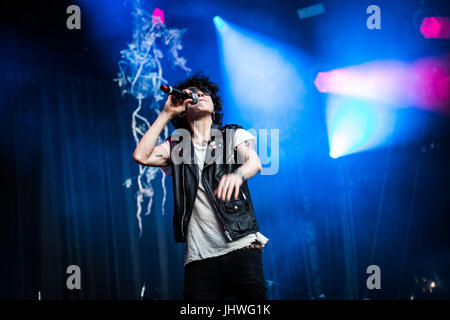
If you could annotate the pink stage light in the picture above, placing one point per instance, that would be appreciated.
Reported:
(436, 27)
(425, 83)
(158, 16)
(433, 89)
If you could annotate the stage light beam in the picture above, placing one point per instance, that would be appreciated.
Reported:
(219, 22)
(424, 83)
(356, 125)
(263, 76)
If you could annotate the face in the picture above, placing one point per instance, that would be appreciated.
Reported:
(204, 106)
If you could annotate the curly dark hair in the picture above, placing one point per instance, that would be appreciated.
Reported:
(200, 80)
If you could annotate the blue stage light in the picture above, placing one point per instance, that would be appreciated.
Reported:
(263, 76)
(356, 125)
(219, 22)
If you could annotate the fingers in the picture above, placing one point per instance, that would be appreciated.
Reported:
(230, 190)
(227, 185)
(177, 105)
(180, 104)
(187, 101)
(176, 101)
(220, 187)
(236, 192)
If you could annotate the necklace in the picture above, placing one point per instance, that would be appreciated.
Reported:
(203, 142)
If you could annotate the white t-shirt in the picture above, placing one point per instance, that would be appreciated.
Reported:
(205, 236)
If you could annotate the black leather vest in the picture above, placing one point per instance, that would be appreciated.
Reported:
(237, 216)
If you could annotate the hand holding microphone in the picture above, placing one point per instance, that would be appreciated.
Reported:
(178, 100)
(180, 94)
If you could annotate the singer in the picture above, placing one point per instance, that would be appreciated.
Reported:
(213, 212)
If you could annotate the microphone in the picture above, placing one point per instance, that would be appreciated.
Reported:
(180, 94)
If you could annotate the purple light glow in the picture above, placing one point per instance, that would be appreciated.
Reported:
(436, 27)
(425, 83)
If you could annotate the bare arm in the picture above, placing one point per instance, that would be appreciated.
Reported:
(251, 166)
(146, 153)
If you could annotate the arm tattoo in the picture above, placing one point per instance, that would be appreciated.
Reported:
(243, 152)
(249, 144)
(158, 155)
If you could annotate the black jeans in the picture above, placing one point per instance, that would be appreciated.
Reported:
(237, 274)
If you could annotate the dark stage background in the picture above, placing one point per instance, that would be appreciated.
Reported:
(66, 151)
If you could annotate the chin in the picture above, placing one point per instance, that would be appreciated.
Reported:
(201, 108)
(198, 111)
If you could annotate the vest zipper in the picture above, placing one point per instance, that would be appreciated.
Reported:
(184, 205)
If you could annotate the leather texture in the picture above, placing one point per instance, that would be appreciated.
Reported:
(237, 216)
